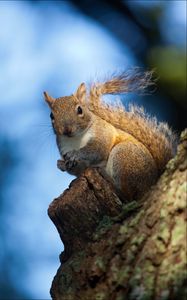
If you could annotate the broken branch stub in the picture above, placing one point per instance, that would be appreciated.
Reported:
(78, 211)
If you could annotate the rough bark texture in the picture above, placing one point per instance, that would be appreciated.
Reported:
(129, 251)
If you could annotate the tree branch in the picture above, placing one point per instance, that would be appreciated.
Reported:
(137, 252)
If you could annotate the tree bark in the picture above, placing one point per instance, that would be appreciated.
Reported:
(123, 251)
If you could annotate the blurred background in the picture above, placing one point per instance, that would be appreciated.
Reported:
(54, 46)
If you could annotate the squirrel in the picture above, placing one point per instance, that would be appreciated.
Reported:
(130, 147)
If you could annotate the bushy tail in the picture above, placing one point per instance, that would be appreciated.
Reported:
(157, 137)
(131, 81)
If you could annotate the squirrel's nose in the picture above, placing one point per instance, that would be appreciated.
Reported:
(67, 131)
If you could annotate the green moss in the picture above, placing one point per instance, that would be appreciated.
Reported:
(163, 232)
(162, 284)
(172, 269)
(175, 274)
(148, 282)
(115, 269)
(138, 240)
(144, 278)
(123, 275)
(136, 278)
(101, 296)
(136, 219)
(165, 266)
(171, 165)
(163, 212)
(130, 256)
(178, 232)
(148, 266)
(178, 267)
(127, 209)
(159, 244)
(180, 197)
(105, 222)
(131, 206)
(104, 225)
(124, 233)
(123, 229)
(99, 262)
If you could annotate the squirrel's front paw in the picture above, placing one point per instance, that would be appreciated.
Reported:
(61, 165)
(70, 164)
(70, 161)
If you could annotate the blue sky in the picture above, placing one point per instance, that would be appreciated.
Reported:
(42, 48)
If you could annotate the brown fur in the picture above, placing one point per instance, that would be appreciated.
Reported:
(157, 137)
(129, 146)
(125, 82)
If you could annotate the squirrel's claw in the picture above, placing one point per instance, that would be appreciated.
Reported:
(70, 164)
(70, 161)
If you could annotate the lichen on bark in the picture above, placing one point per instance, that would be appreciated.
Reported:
(117, 251)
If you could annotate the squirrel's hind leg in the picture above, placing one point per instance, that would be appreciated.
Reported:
(132, 169)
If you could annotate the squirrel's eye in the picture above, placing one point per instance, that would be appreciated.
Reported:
(52, 116)
(79, 110)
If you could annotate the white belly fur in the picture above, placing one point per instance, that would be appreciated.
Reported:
(74, 143)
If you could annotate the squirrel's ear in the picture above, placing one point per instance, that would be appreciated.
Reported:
(81, 92)
(50, 100)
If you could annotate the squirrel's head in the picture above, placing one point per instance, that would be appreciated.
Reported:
(69, 115)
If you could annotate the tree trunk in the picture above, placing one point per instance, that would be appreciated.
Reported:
(123, 251)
